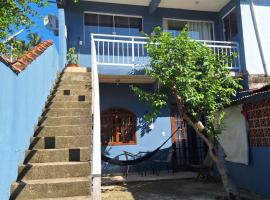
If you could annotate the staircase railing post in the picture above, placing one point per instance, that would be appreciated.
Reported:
(96, 146)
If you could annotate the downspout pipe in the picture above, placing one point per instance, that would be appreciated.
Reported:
(251, 5)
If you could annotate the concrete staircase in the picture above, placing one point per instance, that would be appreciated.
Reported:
(56, 165)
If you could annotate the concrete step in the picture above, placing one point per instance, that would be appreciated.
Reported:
(60, 142)
(62, 121)
(74, 91)
(79, 76)
(57, 155)
(80, 98)
(70, 198)
(74, 82)
(70, 104)
(48, 131)
(64, 112)
(85, 86)
(53, 170)
(50, 188)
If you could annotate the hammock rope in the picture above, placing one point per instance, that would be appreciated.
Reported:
(115, 161)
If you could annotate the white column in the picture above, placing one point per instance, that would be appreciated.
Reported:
(96, 152)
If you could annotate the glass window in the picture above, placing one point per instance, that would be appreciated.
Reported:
(118, 127)
(121, 25)
(111, 24)
(91, 20)
(197, 30)
(135, 25)
(230, 26)
(105, 24)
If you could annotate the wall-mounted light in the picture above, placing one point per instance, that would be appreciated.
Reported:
(163, 133)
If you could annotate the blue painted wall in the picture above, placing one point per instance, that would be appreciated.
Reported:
(255, 176)
(74, 21)
(22, 98)
(112, 95)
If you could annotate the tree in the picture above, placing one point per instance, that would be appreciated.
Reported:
(15, 15)
(201, 84)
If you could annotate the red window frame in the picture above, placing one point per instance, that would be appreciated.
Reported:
(118, 127)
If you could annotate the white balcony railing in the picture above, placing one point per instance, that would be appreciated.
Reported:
(130, 51)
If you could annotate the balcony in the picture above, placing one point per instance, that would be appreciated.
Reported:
(129, 51)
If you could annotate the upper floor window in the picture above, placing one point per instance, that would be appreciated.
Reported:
(118, 127)
(113, 24)
(197, 29)
(230, 26)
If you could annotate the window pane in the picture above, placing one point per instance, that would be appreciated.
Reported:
(105, 24)
(121, 25)
(91, 20)
(118, 126)
(174, 26)
(200, 30)
(135, 25)
(105, 20)
(230, 26)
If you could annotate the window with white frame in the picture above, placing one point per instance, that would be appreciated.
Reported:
(198, 30)
(113, 24)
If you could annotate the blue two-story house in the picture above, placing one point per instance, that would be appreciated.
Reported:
(108, 36)
(115, 30)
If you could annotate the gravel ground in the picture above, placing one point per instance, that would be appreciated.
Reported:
(171, 190)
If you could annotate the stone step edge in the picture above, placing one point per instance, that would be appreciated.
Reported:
(66, 126)
(54, 163)
(52, 181)
(70, 198)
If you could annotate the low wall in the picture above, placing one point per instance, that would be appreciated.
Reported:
(22, 98)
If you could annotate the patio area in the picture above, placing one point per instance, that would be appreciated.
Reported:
(178, 189)
(135, 177)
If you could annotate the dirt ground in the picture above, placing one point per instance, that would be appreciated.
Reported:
(171, 190)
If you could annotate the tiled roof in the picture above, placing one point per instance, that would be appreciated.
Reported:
(254, 95)
(29, 56)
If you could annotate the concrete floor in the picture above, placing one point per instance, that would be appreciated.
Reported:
(135, 177)
(170, 190)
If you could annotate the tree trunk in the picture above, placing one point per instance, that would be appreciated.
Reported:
(217, 154)
(230, 188)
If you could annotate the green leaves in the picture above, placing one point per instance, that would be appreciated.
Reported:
(155, 101)
(71, 57)
(15, 15)
(200, 77)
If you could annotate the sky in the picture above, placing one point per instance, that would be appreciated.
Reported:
(39, 27)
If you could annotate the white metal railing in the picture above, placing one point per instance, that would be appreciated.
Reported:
(227, 48)
(96, 145)
(130, 50)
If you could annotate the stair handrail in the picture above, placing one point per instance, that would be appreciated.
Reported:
(96, 144)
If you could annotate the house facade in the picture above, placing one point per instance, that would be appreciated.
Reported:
(115, 30)
(108, 36)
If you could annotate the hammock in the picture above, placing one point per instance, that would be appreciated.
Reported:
(115, 161)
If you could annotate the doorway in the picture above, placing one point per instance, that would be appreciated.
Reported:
(189, 149)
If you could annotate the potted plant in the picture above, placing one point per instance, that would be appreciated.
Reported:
(72, 59)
